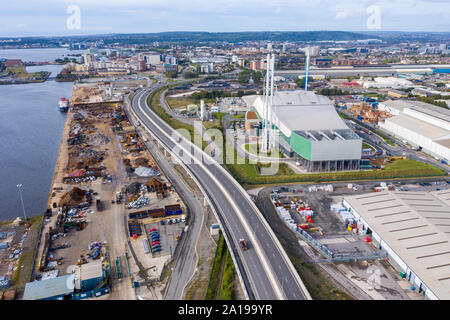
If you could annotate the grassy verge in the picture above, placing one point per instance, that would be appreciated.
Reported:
(217, 262)
(226, 288)
(248, 174)
(255, 151)
(176, 103)
(22, 274)
(153, 102)
(318, 284)
(166, 272)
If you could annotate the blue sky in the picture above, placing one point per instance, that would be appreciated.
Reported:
(49, 17)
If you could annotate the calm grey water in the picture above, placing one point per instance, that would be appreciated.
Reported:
(37, 55)
(30, 133)
(54, 69)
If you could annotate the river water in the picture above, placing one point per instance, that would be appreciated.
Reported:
(30, 134)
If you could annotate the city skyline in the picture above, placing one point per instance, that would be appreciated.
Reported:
(50, 18)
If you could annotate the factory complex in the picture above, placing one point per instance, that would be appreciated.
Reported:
(411, 227)
(419, 124)
(311, 130)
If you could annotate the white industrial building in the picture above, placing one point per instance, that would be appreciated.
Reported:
(413, 228)
(310, 128)
(386, 82)
(420, 124)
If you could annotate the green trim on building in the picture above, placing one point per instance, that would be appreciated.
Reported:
(301, 146)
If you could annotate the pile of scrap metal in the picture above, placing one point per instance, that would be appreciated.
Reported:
(95, 249)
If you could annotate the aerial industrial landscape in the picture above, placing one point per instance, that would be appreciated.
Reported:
(230, 166)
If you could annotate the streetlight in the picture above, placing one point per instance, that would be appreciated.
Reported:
(19, 186)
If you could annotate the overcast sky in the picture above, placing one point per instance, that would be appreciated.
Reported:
(49, 17)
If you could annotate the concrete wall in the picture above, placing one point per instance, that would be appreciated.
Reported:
(336, 150)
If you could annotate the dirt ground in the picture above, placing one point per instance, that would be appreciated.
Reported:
(108, 225)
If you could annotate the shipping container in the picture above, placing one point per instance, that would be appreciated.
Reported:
(173, 209)
(145, 245)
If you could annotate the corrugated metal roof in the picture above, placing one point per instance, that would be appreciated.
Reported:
(416, 226)
(91, 270)
(424, 128)
(43, 289)
(423, 107)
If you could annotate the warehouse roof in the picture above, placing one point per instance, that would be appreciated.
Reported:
(298, 97)
(419, 106)
(300, 110)
(415, 226)
(49, 288)
(91, 270)
(424, 128)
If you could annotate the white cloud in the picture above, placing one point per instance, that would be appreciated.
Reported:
(46, 16)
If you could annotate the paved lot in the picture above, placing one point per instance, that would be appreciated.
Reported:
(167, 234)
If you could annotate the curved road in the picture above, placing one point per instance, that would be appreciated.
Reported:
(267, 273)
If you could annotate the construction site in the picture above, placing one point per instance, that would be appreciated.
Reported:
(106, 186)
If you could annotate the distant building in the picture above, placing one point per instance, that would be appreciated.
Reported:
(207, 67)
(152, 59)
(386, 82)
(88, 58)
(397, 94)
(171, 60)
(420, 124)
(251, 123)
(256, 65)
(322, 62)
(13, 63)
(166, 67)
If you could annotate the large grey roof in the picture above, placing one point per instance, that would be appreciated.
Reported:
(415, 226)
(419, 106)
(300, 110)
(299, 98)
(424, 128)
